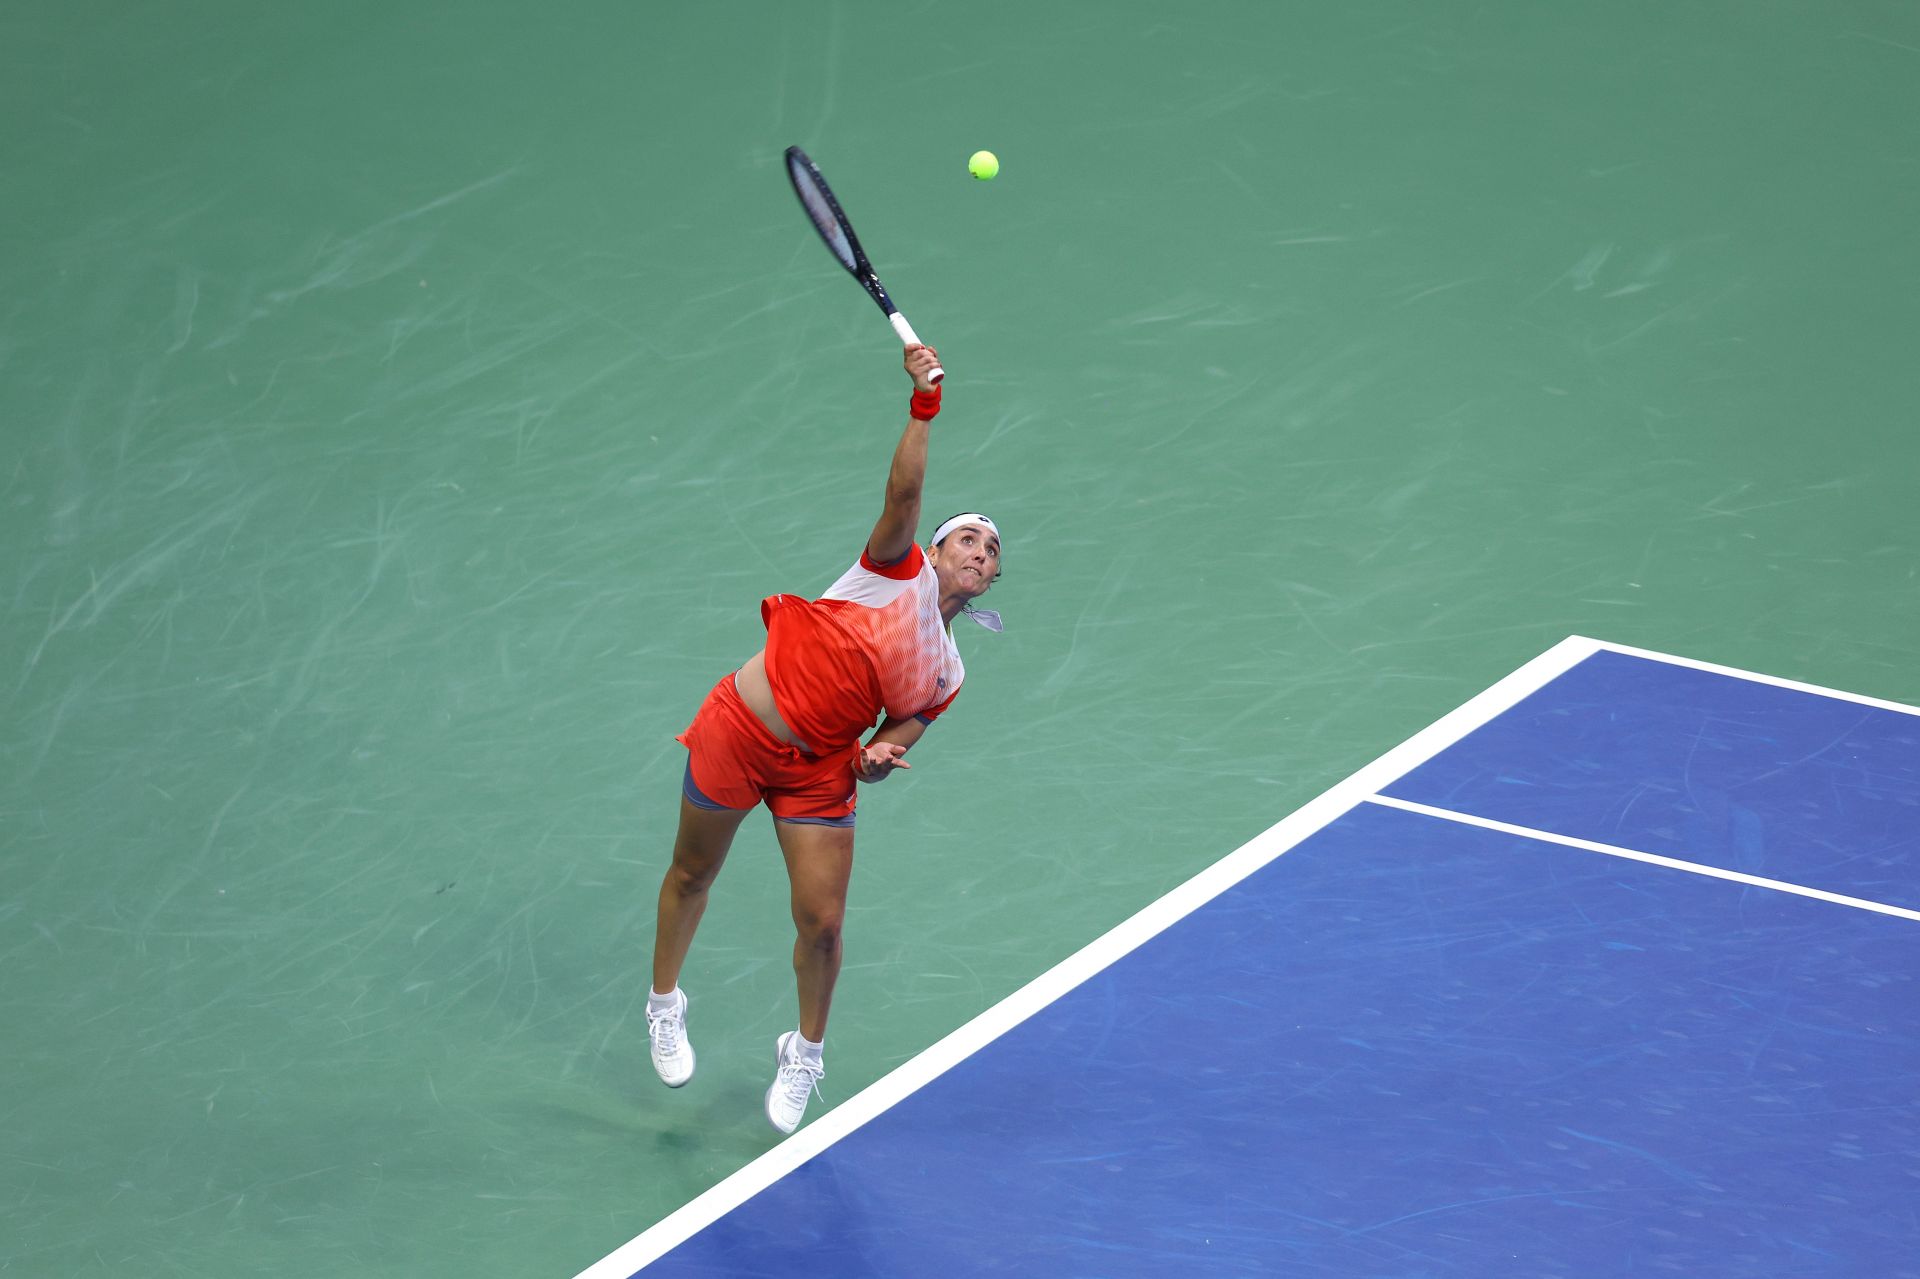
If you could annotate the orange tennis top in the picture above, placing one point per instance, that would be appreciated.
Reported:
(874, 643)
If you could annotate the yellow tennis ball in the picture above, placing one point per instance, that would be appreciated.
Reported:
(983, 164)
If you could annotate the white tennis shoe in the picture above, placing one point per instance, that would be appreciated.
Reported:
(672, 1051)
(795, 1079)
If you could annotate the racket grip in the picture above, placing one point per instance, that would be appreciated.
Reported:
(909, 338)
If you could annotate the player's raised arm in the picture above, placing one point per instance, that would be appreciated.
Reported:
(893, 532)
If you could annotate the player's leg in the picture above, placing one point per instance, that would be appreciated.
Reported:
(699, 850)
(819, 867)
(717, 791)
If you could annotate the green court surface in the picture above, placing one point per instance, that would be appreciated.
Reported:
(406, 406)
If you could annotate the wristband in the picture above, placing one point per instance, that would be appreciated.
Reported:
(925, 405)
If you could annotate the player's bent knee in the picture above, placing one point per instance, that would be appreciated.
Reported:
(819, 931)
(691, 879)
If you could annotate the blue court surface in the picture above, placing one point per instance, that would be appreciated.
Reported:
(1612, 971)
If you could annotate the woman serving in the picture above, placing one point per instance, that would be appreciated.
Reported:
(786, 728)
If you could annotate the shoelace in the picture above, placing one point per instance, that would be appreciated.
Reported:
(800, 1080)
(665, 1029)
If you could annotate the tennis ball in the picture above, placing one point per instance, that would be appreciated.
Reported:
(983, 164)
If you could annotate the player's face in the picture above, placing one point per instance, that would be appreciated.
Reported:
(967, 561)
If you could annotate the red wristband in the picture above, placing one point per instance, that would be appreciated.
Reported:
(926, 404)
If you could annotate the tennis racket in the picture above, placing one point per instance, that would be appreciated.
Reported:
(830, 220)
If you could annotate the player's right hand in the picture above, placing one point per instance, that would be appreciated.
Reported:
(920, 361)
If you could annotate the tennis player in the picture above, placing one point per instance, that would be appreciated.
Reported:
(786, 728)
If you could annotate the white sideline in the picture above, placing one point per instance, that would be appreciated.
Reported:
(1753, 677)
(1183, 900)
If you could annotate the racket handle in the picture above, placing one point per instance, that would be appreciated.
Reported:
(909, 338)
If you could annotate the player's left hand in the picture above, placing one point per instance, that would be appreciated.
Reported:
(876, 762)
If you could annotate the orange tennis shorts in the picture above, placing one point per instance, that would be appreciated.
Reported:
(733, 762)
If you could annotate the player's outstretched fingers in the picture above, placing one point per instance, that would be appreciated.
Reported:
(882, 758)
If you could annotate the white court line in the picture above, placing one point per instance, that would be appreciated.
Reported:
(1754, 677)
(962, 1043)
(1632, 854)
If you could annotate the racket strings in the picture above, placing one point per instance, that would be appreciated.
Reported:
(820, 209)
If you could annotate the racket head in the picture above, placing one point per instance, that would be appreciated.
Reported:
(830, 220)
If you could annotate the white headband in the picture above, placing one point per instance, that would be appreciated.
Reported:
(984, 616)
(972, 517)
